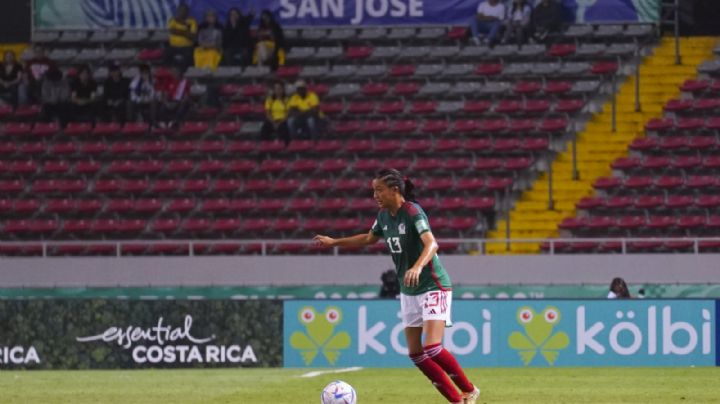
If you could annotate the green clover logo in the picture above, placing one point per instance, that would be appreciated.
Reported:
(538, 335)
(318, 336)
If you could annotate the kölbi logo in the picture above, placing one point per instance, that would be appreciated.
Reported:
(319, 335)
(165, 344)
(538, 335)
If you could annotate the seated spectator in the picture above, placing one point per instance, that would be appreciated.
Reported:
(83, 96)
(116, 91)
(276, 114)
(304, 108)
(209, 50)
(488, 21)
(54, 96)
(270, 46)
(518, 22)
(36, 69)
(546, 18)
(182, 29)
(174, 95)
(237, 40)
(618, 289)
(142, 96)
(11, 75)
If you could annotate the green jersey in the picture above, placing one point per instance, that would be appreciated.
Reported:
(402, 236)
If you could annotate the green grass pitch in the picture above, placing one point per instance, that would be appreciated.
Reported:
(604, 385)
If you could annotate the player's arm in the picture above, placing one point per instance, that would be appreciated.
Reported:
(359, 240)
(430, 247)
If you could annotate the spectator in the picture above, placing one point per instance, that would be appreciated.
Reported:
(174, 95)
(36, 69)
(276, 114)
(210, 37)
(54, 96)
(11, 74)
(116, 91)
(618, 289)
(237, 40)
(304, 112)
(142, 96)
(83, 96)
(488, 21)
(390, 286)
(270, 47)
(546, 19)
(183, 29)
(518, 22)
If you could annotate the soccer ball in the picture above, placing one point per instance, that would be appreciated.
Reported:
(338, 392)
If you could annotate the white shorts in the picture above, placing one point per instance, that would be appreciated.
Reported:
(433, 305)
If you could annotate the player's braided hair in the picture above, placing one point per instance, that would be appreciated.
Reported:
(393, 178)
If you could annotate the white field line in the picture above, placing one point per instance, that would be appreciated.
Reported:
(323, 372)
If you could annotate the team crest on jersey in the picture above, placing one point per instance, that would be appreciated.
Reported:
(401, 228)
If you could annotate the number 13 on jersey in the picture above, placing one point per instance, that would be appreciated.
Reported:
(394, 245)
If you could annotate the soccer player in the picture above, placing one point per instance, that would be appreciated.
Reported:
(425, 291)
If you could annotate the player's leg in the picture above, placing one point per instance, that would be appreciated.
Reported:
(411, 310)
(436, 315)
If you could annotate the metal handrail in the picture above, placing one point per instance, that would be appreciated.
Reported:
(480, 244)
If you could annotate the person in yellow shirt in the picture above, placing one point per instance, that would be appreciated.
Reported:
(304, 112)
(210, 37)
(182, 30)
(276, 114)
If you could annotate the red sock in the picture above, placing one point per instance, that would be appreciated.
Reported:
(449, 364)
(437, 376)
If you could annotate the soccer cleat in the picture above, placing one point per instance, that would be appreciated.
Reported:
(471, 397)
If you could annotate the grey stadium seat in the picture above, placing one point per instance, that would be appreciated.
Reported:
(197, 73)
(443, 51)
(503, 51)
(584, 87)
(432, 89)
(429, 70)
(609, 31)
(414, 52)
(101, 73)
(517, 68)
(431, 33)
(545, 68)
(709, 67)
(313, 34)
(90, 55)
(313, 72)
(121, 54)
(73, 36)
(160, 36)
(621, 49)
(638, 30)
(103, 36)
(256, 71)
(328, 52)
(367, 71)
(227, 72)
(341, 34)
(466, 88)
(495, 88)
(401, 33)
(291, 34)
(134, 36)
(574, 68)
(385, 52)
(300, 52)
(449, 107)
(578, 31)
(369, 34)
(472, 51)
(456, 70)
(531, 50)
(342, 71)
(590, 49)
(198, 90)
(343, 90)
(250, 128)
(62, 55)
(45, 36)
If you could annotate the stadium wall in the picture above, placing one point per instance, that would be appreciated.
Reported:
(348, 270)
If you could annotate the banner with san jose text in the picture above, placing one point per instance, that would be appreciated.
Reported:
(104, 334)
(90, 14)
(534, 333)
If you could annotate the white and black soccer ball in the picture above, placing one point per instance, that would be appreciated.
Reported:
(338, 392)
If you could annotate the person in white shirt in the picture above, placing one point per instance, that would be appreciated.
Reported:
(488, 21)
(518, 22)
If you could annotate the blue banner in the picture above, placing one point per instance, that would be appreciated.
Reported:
(87, 14)
(508, 333)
